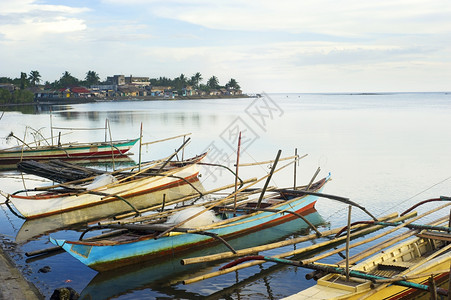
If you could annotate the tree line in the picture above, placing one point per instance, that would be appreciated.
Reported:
(33, 79)
(92, 78)
(195, 81)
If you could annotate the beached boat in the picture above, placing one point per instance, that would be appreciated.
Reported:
(394, 273)
(151, 241)
(68, 151)
(116, 192)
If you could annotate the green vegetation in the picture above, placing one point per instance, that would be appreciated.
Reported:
(21, 89)
(15, 97)
(195, 81)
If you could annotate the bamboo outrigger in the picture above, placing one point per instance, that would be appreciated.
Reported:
(394, 273)
(150, 243)
(117, 192)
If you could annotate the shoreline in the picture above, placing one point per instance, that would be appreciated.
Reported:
(14, 284)
(79, 100)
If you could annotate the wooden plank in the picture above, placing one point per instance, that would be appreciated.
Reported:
(442, 236)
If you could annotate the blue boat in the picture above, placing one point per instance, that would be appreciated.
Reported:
(144, 241)
(156, 274)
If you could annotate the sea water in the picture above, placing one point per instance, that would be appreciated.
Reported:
(384, 151)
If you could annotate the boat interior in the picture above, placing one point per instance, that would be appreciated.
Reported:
(392, 262)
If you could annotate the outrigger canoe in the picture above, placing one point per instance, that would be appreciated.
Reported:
(154, 241)
(68, 151)
(412, 262)
(116, 192)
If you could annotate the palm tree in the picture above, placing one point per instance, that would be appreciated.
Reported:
(92, 78)
(180, 82)
(67, 80)
(34, 77)
(213, 82)
(232, 84)
(196, 79)
(23, 80)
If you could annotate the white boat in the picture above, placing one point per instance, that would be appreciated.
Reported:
(116, 192)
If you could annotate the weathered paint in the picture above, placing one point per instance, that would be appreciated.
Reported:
(104, 256)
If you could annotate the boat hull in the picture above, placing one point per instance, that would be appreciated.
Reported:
(140, 193)
(105, 256)
(109, 285)
(35, 227)
(74, 151)
(335, 286)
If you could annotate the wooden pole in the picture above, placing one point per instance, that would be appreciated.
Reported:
(253, 250)
(105, 128)
(167, 139)
(298, 158)
(313, 178)
(316, 258)
(140, 145)
(295, 164)
(432, 288)
(449, 284)
(175, 202)
(111, 142)
(269, 178)
(51, 125)
(174, 154)
(183, 151)
(286, 254)
(348, 239)
(35, 142)
(411, 268)
(384, 244)
(163, 203)
(218, 203)
(410, 277)
(236, 172)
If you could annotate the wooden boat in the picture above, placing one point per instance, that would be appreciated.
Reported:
(112, 284)
(80, 218)
(411, 262)
(116, 192)
(150, 241)
(68, 151)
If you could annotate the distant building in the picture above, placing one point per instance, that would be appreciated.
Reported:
(116, 79)
(160, 90)
(141, 81)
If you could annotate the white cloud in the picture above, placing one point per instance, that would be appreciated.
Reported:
(27, 20)
(287, 45)
(349, 18)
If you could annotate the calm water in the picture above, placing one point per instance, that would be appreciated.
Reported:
(385, 152)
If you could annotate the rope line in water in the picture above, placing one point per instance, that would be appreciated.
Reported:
(417, 194)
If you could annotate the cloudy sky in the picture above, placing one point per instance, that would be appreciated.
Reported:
(267, 46)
